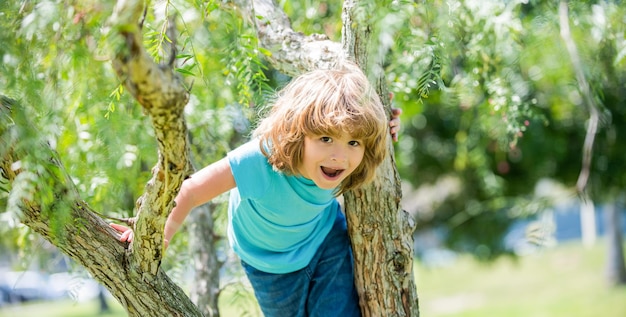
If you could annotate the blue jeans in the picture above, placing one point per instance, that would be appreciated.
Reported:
(323, 288)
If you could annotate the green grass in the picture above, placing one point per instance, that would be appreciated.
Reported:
(63, 308)
(566, 281)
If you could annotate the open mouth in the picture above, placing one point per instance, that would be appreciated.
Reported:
(331, 172)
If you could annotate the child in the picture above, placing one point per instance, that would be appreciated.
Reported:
(325, 134)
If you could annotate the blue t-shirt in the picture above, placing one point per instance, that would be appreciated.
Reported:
(276, 222)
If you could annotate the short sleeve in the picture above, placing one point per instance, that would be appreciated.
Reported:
(251, 170)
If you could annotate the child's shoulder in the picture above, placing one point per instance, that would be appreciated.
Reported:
(251, 169)
(250, 150)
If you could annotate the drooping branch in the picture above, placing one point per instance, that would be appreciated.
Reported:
(163, 96)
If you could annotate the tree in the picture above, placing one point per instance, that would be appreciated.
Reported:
(47, 200)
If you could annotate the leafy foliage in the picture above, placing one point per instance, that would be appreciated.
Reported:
(73, 101)
(488, 91)
(508, 111)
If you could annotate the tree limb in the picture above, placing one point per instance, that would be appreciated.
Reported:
(291, 52)
(161, 93)
(585, 90)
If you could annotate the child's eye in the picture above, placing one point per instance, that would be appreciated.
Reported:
(354, 143)
(326, 139)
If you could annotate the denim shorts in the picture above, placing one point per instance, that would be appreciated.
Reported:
(325, 287)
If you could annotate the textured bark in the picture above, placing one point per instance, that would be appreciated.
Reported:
(163, 96)
(355, 33)
(382, 245)
(291, 52)
(161, 93)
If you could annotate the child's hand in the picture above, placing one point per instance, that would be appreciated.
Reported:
(394, 123)
(127, 233)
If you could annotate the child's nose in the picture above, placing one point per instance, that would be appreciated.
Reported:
(339, 155)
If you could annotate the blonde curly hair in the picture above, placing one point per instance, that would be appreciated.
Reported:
(325, 102)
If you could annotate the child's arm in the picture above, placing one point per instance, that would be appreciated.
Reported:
(200, 188)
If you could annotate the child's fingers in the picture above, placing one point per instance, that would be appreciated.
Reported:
(127, 233)
(127, 236)
(394, 123)
(119, 228)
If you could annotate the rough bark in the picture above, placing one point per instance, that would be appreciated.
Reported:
(291, 52)
(161, 93)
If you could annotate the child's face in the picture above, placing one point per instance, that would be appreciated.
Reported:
(329, 160)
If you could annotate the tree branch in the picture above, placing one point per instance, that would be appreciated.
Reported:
(163, 96)
(291, 52)
(583, 86)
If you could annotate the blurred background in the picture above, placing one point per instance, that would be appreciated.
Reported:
(511, 154)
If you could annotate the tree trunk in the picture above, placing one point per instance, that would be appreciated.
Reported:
(380, 231)
(206, 287)
(615, 268)
(588, 222)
